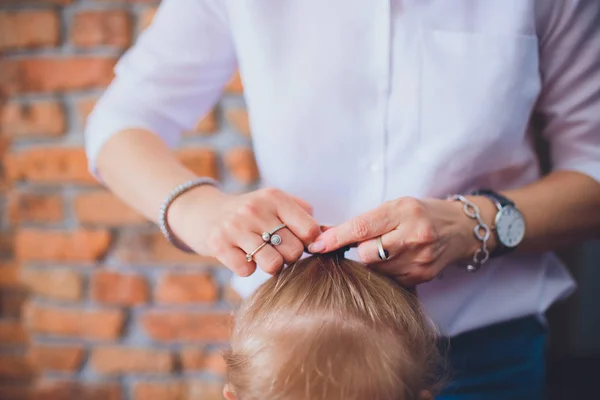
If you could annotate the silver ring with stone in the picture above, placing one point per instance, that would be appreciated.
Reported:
(250, 256)
(270, 237)
(383, 254)
(275, 240)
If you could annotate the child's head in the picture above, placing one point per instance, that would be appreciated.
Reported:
(329, 328)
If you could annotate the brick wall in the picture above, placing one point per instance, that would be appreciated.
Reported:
(94, 304)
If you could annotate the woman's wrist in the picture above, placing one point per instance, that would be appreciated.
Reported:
(487, 211)
(466, 241)
(192, 212)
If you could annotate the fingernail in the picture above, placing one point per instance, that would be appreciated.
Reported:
(316, 247)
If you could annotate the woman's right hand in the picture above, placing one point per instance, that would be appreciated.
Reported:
(227, 227)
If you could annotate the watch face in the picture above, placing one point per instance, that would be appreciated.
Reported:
(510, 226)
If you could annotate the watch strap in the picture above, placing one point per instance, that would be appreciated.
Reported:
(500, 201)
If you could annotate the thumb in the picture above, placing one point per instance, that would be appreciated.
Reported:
(303, 204)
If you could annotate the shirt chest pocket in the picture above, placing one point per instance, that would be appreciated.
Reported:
(477, 92)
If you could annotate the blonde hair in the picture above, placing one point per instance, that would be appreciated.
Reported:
(329, 328)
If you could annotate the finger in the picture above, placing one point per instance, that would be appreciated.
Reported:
(393, 268)
(358, 229)
(393, 242)
(227, 252)
(303, 204)
(297, 220)
(291, 248)
(264, 221)
(267, 258)
(405, 272)
(235, 259)
(410, 280)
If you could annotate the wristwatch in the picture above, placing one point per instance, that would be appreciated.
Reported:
(509, 225)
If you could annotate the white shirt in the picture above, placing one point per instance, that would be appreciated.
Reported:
(356, 102)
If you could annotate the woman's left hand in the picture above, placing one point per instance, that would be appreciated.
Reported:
(421, 236)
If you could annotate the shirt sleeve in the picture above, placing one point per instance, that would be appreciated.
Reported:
(570, 70)
(171, 77)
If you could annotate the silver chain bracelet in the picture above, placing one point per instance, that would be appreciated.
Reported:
(164, 208)
(481, 230)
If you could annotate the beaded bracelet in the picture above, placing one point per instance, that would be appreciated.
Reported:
(481, 230)
(164, 208)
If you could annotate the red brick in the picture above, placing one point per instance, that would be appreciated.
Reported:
(28, 29)
(116, 288)
(4, 145)
(207, 124)
(43, 118)
(60, 284)
(242, 165)
(77, 246)
(15, 391)
(231, 296)
(55, 358)
(13, 333)
(29, 75)
(32, 207)
(6, 245)
(84, 109)
(64, 390)
(201, 161)
(9, 275)
(215, 363)
(195, 359)
(186, 288)
(238, 117)
(113, 360)
(235, 84)
(178, 390)
(53, 165)
(20, 2)
(146, 17)
(192, 358)
(186, 326)
(100, 324)
(15, 367)
(152, 248)
(199, 390)
(103, 208)
(11, 302)
(101, 28)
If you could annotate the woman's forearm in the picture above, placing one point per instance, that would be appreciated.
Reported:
(560, 209)
(141, 170)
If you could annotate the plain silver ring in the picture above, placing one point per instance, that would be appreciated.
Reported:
(383, 254)
(266, 236)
